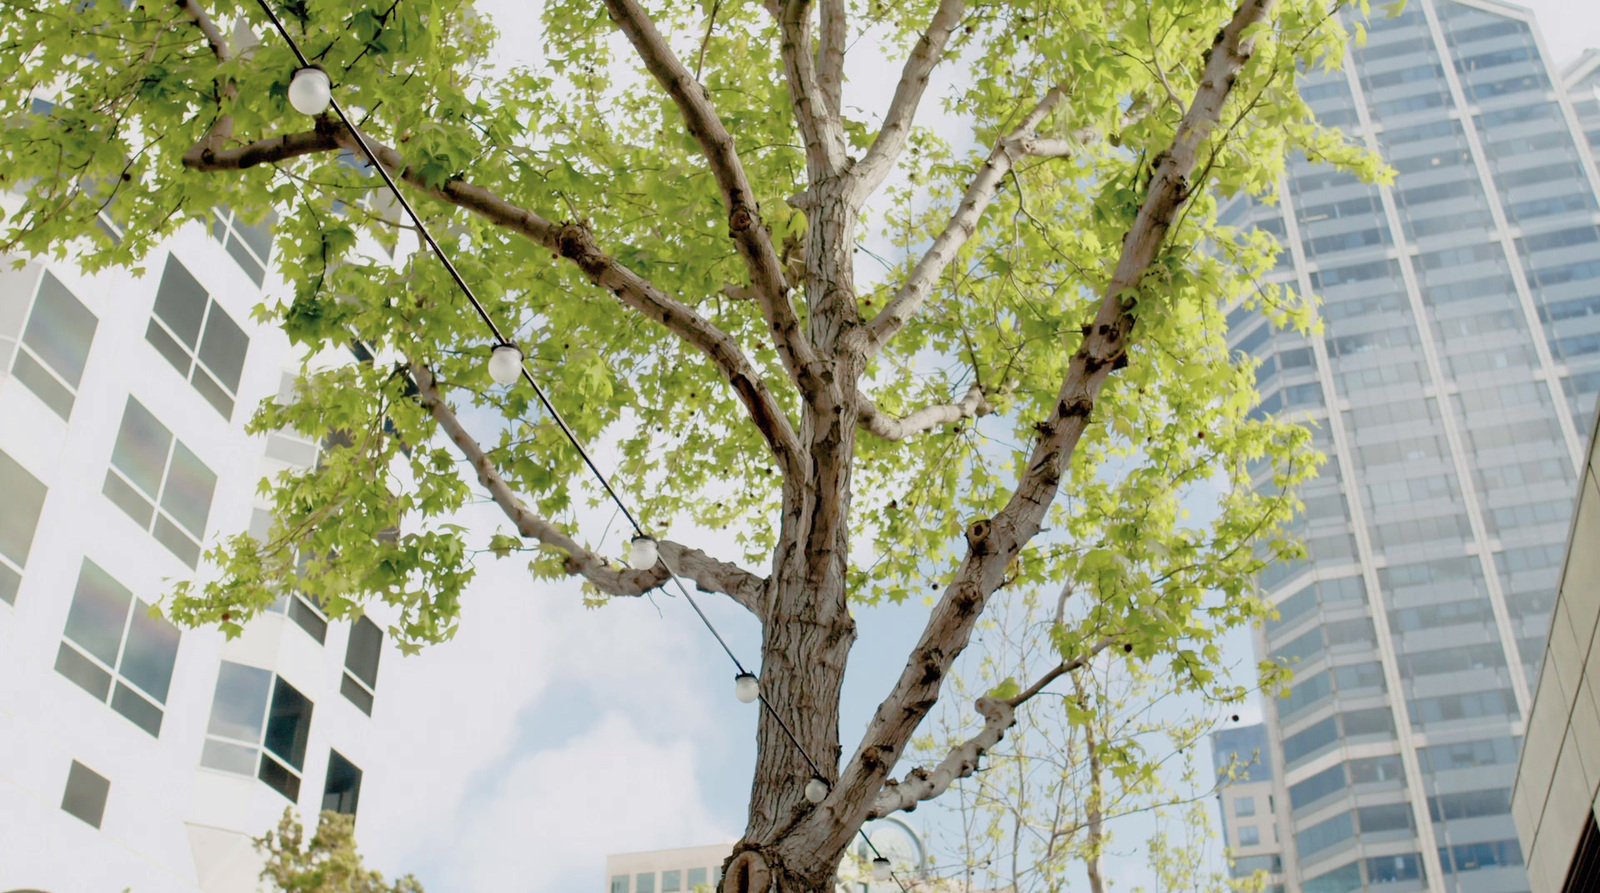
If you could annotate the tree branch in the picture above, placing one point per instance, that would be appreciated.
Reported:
(572, 241)
(999, 715)
(749, 233)
(896, 129)
(887, 427)
(707, 573)
(222, 128)
(834, 34)
(992, 544)
(820, 129)
(1017, 144)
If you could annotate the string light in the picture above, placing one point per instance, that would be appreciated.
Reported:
(505, 364)
(643, 552)
(310, 91)
(746, 687)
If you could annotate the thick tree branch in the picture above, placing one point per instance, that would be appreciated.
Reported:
(707, 573)
(1019, 143)
(749, 233)
(896, 129)
(999, 715)
(222, 128)
(888, 427)
(833, 36)
(992, 544)
(572, 241)
(820, 130)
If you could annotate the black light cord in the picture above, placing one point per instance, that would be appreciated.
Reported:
(522, 365)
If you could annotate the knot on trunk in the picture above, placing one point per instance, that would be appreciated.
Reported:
(978, 536)
(573, 241)
(747, 872)
(740, 219)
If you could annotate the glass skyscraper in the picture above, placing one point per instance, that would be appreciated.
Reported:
(1451, 389)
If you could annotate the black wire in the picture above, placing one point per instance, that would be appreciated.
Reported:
(544, 399)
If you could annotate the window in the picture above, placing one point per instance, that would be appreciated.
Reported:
(672, 881)
(342, 788)
(160, 483)
(114, 649)
(85, 796)
(24, 499)
(361, 664)
(1249, 835)
(1391, 869)
(1325, 834)
(1469, 804)
(696, 880)
(645, 883)
(250, 244)
(303, 608)
(1244, 806)
(1473, 856)
(1340, 880)
(619, 883)
(1323, 784)
(197, 337)
(252, 734)
(1377, 819)
(54, 344)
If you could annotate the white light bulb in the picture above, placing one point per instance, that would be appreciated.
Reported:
(310, 91)
(746, 687)
(505, 364)
(880, 869)
(642, 553)
(816, 790)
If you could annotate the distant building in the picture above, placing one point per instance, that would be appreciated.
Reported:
(1557, 794)
(1450, 388)
(134, 754)
(1247, 798)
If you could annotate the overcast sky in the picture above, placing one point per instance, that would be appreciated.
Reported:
(546, 735)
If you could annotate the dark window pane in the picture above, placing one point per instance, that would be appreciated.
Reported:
(44, 385)
(187, 496)
(138, 708)
(99, 613)
(148, 656)
(343, 787)
(366, 646)
(696, 878)
(86, 792)
(10, 581)
(357, 695)
(82, 671)
(257, 235)
(671, 881)
(181, 302)
(309, 620)
(213, 392)
(251, 267)
(240, 702)
(223, 348)
(280, 779)
(167, 347)
(60, 329)
(229, 757)
(125, 497)
(24, 498)
(289, 724)
(168, 534)
(141, 448)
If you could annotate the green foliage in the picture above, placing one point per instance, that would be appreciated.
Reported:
(586, 136)
(327, 863)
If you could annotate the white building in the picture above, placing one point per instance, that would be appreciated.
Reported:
(134, 754)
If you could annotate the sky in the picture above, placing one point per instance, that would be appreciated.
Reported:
(547, 735)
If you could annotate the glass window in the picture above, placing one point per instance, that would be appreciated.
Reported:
(1377, 819)
(1325, 834)
(197, 337)
(645, 883)
(288, 724)
(671, 881)
(54, 345)
(361, 663)
(1244, 806)
(248, 736)
(1249, 835)
(114, 649)
(85, 796)
(1316, 787)
(619, 883)
(250, 244)
(342, 789)
(160, 483)
(1390, 869)
(24, 500)
(1340, 880)
(696, 880)
(1469, 804)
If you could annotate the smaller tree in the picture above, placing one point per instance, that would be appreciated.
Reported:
(327, 863)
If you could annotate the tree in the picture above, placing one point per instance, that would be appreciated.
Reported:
(1054, 327)
(327, 863)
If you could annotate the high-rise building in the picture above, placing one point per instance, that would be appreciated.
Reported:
(1451, 389)
(134, 754)
(1247, 799)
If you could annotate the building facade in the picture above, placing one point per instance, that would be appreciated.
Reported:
(134, 754)
(1450, 389)
(1247, 800)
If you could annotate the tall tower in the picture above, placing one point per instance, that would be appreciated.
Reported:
(134, 754)
(1451, 390)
